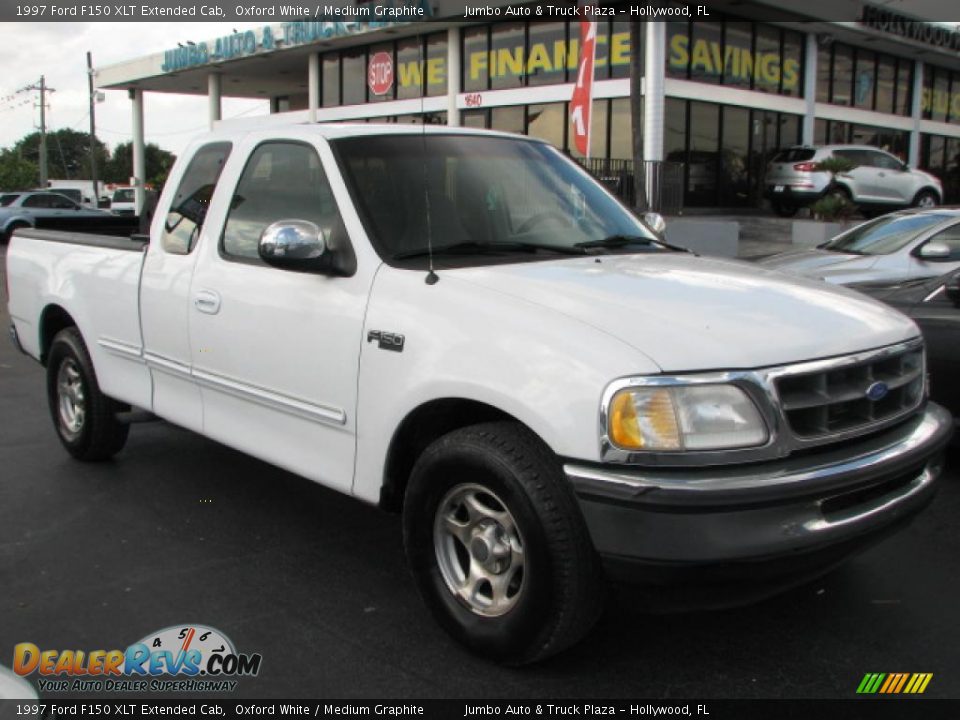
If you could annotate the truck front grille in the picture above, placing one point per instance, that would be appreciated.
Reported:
(853, 396)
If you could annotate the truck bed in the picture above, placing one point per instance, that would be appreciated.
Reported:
(94, 279)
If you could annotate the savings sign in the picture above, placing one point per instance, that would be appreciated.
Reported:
(380, 73)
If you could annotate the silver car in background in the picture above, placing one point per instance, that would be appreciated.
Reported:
(902, 245)
(880, 181)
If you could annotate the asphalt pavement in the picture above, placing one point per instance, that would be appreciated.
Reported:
(178, 529)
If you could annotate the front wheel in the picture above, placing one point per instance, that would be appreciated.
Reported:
(85, 418)
(497, 544)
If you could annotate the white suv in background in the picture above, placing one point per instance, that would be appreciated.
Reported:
(879, 182)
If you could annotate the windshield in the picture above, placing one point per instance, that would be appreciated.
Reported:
(8, 198)
(884, 235)
(125, 195)
(481, 195)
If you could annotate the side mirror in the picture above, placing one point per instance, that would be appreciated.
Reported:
(935, 251)
(656, 222)
(294, 245)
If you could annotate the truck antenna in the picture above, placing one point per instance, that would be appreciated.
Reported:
(432, 276)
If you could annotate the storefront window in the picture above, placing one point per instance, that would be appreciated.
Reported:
(864, 79)
(506, 61)
(734, 176)
(739, 49)
(547, 53)
(331, 79)
(621, 136)
(507, 119)
(620, 49)
(951, 172)
(706, 52)
(790, 130)
(791, 67)
(824, 73)
(409, 75)
(354, 64)
(703, 155)
(904, 87)
(391, 93)
(675, 130)
(678, 49)
(436, 65)
(475, 118)
(886, 83)
(842, 75)
(766, 62)
(820, 132)
(475, 59)
(547, 121)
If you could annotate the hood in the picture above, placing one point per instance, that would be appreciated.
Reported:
(814, 262)
(689, 314)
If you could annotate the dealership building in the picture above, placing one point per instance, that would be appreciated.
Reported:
(717, 93)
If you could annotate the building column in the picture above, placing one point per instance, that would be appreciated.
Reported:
(810, 90)
(313, 86)
(916, 112)
(213, 96)
(654, 94)
(139, 155)
(453, 75)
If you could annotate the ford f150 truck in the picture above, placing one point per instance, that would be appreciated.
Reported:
(466, 328)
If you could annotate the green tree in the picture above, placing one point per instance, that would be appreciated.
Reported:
(68, 153)
(159, 162)
(16, 172)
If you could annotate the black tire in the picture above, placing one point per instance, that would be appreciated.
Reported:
(559, 593)
(784, 210)
(926, 199)
(94, 433)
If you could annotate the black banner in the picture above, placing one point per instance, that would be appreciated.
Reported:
(866, 708)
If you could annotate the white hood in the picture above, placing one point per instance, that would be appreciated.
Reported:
(688, 313)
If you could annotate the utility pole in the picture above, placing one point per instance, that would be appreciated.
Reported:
(93, 133)
(42, 87)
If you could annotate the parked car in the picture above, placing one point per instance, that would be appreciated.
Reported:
(465, 327)
(880, 181)
(21, 210)
(898, 246)
(123, 201)
(935, 306)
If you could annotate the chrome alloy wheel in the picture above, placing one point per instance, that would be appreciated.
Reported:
(479, 550)
(71, 400)
(927, 201)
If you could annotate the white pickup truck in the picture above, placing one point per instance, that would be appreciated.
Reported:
(465, 327)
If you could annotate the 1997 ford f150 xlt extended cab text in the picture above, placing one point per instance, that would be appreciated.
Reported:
(465, 327)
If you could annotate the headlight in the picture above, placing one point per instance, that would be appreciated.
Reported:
(678, 418)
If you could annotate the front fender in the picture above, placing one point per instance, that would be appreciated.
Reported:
(461, 341)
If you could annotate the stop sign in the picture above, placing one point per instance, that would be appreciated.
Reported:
(380, 73)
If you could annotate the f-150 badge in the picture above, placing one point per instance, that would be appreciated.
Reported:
(386, 340)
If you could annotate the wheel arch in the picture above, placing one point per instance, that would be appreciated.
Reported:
(929, 189)
(422, 426)
(53, 319)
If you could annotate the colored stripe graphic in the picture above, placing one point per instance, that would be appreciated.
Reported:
(894, 683)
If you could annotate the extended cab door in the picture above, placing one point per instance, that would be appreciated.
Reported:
(165, 286)
(275, 351)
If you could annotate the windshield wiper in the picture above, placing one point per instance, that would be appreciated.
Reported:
(479, 248)
(619, 241)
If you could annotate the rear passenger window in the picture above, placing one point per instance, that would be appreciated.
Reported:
(183, 223)
(282, 181)
(37, 201)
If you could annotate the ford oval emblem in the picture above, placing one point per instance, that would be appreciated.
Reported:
(877, 391)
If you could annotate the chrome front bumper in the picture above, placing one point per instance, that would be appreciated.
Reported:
(833, 498)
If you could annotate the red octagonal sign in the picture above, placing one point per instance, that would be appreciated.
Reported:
(380, 73)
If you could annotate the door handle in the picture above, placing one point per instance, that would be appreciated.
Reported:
(207, 301)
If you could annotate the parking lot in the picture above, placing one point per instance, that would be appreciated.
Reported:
(181, 530)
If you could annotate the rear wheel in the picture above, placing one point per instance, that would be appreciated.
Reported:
(497, 544)
(85, 418)
(784, 209)
(926, 199)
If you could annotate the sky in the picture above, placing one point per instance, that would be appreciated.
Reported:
(59, 52)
